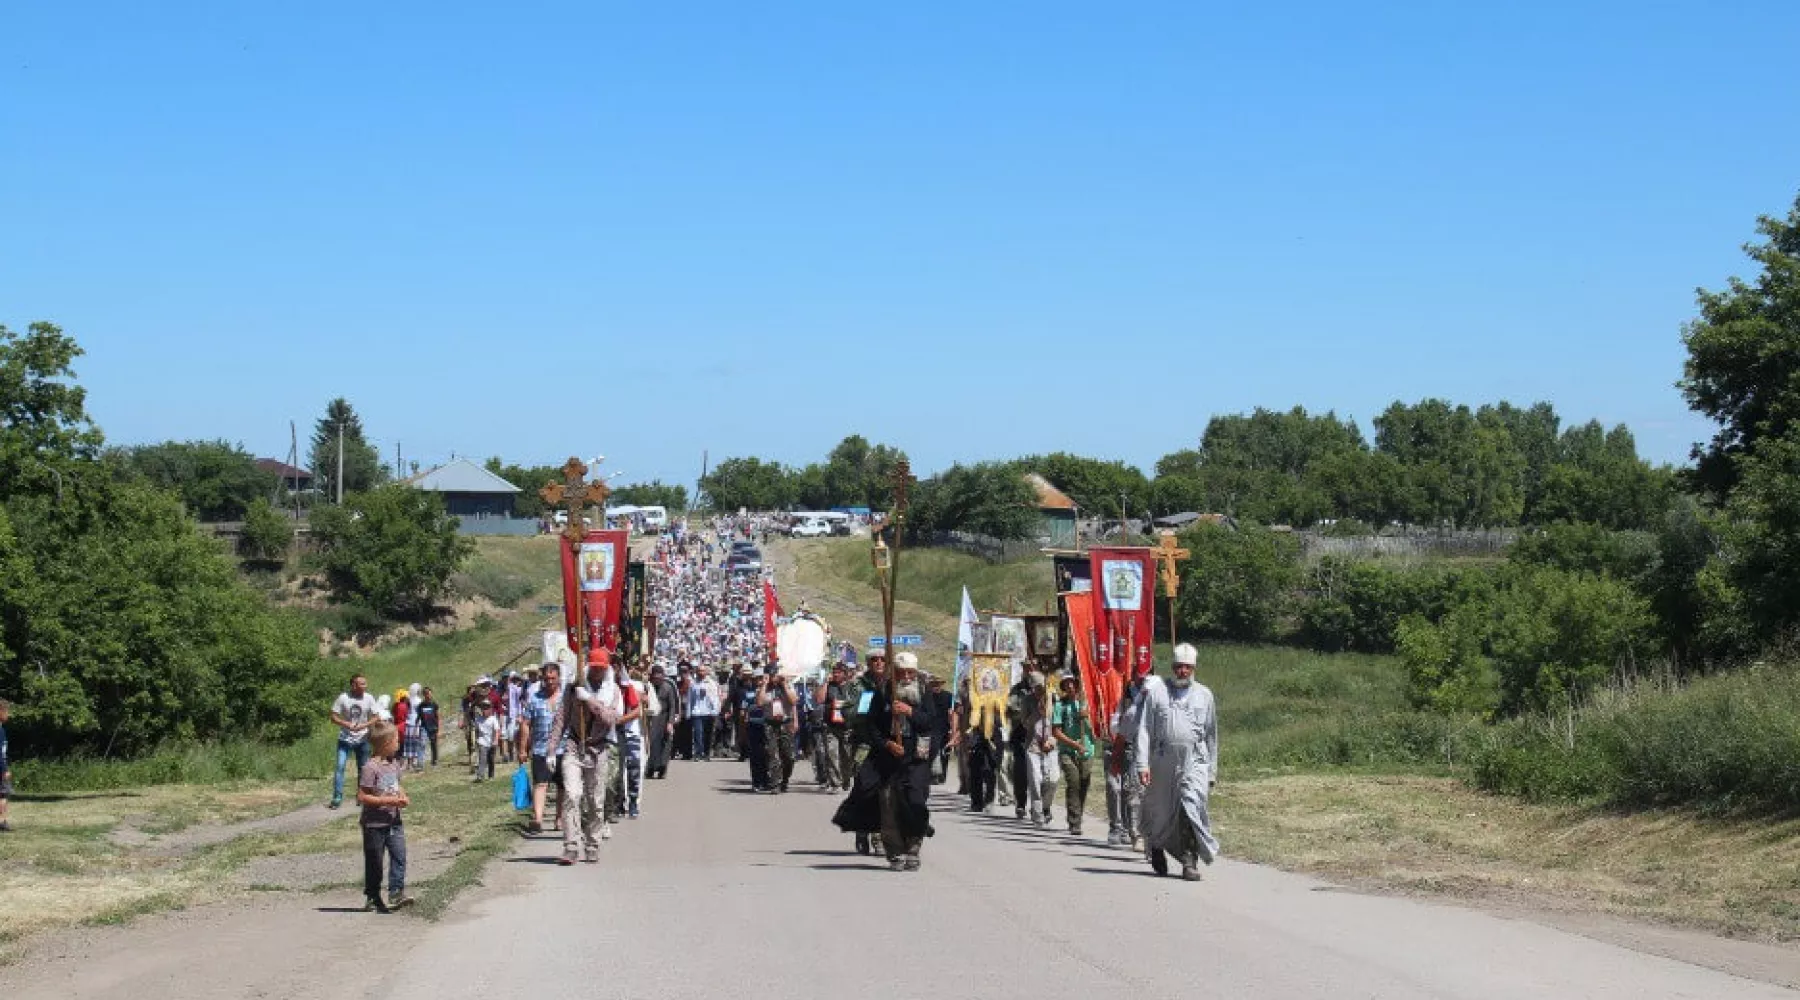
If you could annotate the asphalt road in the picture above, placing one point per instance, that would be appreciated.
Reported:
(718, 892)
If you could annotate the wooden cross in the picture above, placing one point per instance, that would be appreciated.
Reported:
(1168, 553)
(574, 494)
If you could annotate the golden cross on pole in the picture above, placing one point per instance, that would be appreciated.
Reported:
(574, 495)
(1168, 553)
(887, 564)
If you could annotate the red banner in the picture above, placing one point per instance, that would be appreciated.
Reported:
(1102, 689)
(594, 588)
(771, 611)
(1124, 592)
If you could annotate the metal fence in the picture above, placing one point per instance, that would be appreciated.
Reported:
(1471, 542)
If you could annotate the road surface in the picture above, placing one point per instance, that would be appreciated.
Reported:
(721, 893)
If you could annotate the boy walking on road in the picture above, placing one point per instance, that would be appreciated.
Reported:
(378, 791)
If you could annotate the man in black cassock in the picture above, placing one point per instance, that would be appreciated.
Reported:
(891, 790)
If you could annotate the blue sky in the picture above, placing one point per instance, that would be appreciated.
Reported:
(651, 230)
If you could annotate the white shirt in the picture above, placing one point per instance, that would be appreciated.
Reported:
(487, 731)
(356, 711)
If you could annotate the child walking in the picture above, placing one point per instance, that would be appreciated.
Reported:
(379, 792)
(487, 733)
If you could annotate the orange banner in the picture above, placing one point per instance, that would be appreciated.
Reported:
(1102, 687)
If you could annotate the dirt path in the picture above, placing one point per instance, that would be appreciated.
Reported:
(194, 838)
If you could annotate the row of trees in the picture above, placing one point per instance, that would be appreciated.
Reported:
(1629, 566)
(854, 474)
(1431, 463)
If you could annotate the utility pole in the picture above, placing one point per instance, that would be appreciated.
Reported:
(399, 470)
(340, 464)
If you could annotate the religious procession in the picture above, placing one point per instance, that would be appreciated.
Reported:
(687, 654)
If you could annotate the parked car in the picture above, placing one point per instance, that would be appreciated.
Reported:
(811, 529)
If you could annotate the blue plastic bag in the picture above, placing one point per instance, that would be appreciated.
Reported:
(521, 789)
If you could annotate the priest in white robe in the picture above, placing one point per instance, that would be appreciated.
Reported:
(1178, 762)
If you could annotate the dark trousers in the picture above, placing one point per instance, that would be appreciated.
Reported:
(684, 740)
(759, 755)
(1020, 775)
(377, 841)
(981, 773)
(431, 737)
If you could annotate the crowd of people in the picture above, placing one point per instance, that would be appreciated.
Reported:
(587, 737)
(887, 754)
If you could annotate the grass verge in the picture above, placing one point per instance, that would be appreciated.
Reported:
(117, 849)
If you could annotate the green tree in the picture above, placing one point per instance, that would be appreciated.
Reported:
(268, 534)
(362, 466)
(391, 550)
(1096, 485)
(1557, 635)
(1238, 583)
(216, 480)
(44, 427)
(121, 627)
(987, 498)
(749, 483)
(1743, 365)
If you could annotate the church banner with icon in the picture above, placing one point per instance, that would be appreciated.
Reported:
(1101, 688)
(1124, 581)
(594, 588)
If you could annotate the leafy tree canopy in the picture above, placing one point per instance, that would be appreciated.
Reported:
(216, 480)
(1743, 366)
(391, 550)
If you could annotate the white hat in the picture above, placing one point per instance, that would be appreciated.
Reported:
(906, 660)
(1186, 653)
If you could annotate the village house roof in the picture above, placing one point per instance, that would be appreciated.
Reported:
(460, 476)
(1049, 497)
(282, 469)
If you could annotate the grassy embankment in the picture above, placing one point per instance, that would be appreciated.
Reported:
(102, 841)
(1328, 770)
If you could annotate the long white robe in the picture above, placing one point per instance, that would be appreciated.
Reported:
(1178, 739)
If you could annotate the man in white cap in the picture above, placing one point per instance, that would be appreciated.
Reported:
(1178, 761)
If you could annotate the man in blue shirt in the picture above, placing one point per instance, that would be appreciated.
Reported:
(543, 729)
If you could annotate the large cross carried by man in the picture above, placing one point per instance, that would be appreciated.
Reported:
(593, 561)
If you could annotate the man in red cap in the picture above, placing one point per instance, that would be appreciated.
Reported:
(590, 757)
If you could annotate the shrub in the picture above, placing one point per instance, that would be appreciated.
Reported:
(268, 534)
(1446, 669)
(391, 550)
(1358, 606)
(1236, 586)
(1557, 635)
